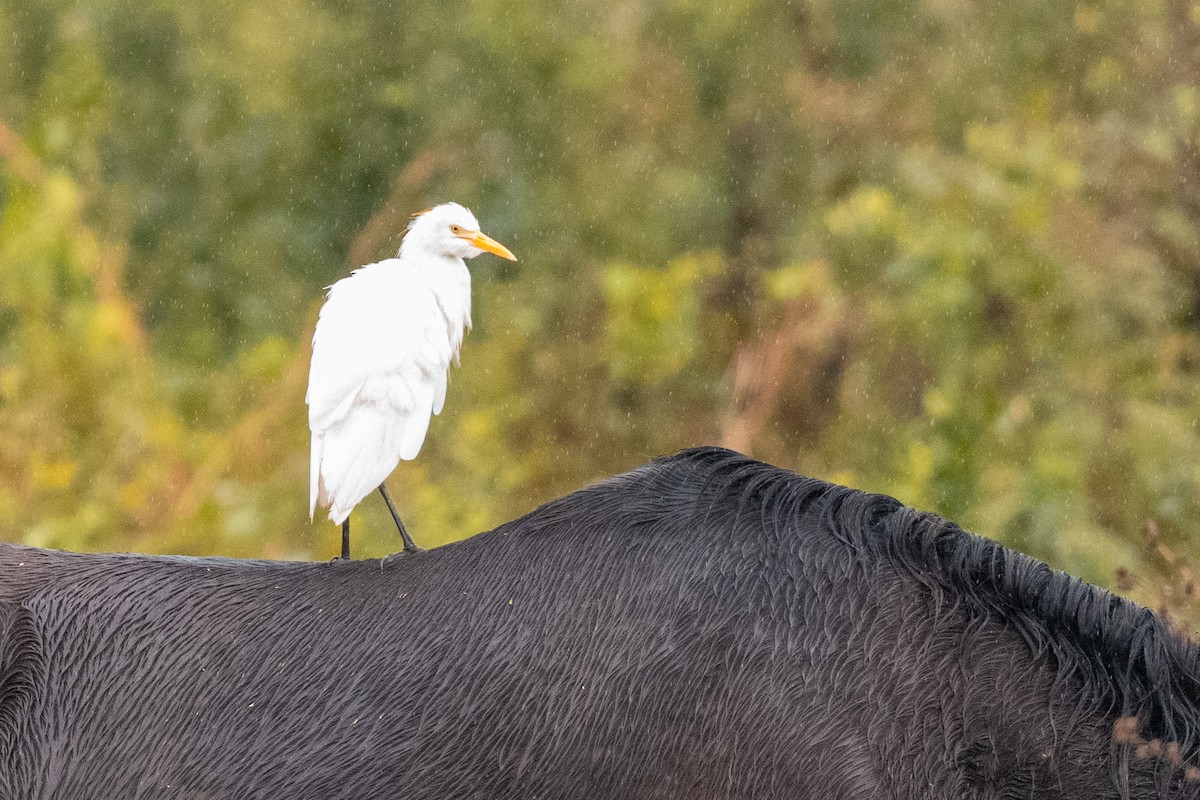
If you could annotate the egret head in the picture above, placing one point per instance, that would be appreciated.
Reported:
(449, 230)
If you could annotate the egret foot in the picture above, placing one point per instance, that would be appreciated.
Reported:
(396, 558)
(345, 556)
(409, 545)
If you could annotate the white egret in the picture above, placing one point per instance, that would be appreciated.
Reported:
(381, 353)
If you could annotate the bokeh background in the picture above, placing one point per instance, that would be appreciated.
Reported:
(941, 249)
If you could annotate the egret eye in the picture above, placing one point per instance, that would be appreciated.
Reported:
(455, 229)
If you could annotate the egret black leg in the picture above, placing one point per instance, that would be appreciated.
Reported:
(409, 545)
(346, 539)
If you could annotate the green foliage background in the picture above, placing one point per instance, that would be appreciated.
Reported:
(944, 250)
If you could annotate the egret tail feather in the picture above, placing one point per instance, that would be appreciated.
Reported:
(314, 474)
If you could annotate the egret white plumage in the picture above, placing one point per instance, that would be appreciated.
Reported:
(382, 350)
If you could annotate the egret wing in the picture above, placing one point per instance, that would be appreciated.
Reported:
(373, 344)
